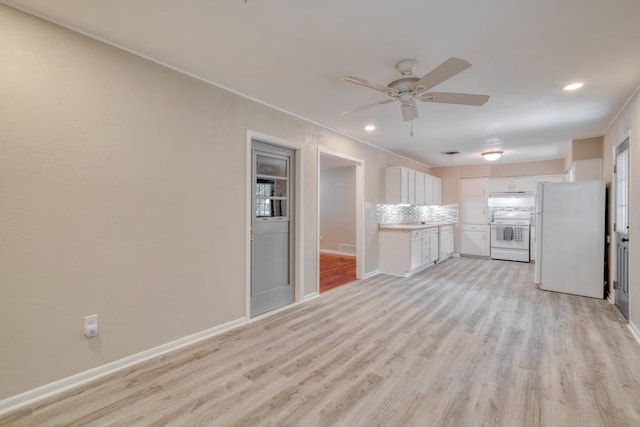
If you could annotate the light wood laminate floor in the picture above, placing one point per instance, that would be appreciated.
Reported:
(470, 342)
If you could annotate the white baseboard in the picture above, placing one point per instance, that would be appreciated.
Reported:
(23, 399)
(370, 274)
(634, 331)
(611, 298)
(310, 296)
(328, 251)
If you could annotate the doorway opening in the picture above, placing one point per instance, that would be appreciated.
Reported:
(621, 226)
(340, 222)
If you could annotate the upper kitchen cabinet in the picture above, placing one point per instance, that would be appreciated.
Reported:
(420, 199)
(474, 210)
(512, 185)
(396, 185)
(474, 187)
(428, 189)
(404, 186)
(436, 189)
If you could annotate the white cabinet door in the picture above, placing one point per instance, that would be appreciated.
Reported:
(473, 187)
(473, 210)
(434, 251)
(475, 240)
(446, 242)
(428, 190)
(523, 184)
(412, 187)
(512, 185)
(499, 185)
(420, 189)
(397, 186)
(437, 190)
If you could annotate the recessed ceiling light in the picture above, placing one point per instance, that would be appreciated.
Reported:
(490, 156)
(573, 86)
(369, 128)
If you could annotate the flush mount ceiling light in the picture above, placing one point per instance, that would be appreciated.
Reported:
(369, 128)
(573, 86)
(491, 156)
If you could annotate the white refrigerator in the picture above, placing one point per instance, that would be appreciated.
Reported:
(570, 233)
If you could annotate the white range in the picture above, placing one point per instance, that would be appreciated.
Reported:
(510, 235)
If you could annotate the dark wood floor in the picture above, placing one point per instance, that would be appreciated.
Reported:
(336, 270)
(469, 342)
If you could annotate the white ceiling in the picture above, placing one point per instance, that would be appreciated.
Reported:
(291, 54)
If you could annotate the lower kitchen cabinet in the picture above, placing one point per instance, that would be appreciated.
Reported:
(434, 244)
(405, 252)
(474, 239)
(446, 242)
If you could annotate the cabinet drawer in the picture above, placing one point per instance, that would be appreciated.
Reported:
(415, 234)
(474, 227)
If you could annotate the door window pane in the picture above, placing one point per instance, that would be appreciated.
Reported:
(622, 191)
(266, 208)
(271, 166)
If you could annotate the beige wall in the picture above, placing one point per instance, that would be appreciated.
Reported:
(583, 149)
(337, 207)
(588, 148)
(627, 123)
(123, 193)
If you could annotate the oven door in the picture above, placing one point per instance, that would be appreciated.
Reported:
(505, 236)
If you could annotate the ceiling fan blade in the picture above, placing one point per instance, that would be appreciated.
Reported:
(364, 107)
(409, 111)
(442, 72)
(375, 86)
(454, 98)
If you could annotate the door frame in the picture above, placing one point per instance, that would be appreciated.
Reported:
(360, 251)
(613, 253)
(298, 226)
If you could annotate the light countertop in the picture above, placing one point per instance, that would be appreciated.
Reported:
(411, 226)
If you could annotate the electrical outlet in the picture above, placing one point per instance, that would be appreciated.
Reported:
(91, 326)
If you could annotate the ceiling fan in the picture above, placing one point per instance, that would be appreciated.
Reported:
(408, 87)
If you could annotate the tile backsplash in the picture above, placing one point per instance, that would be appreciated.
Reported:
(522, 204)
(391, 214)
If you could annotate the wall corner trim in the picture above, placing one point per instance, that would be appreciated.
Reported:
(634, 331)
(18, 401)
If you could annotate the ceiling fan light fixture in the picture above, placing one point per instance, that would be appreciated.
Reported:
(492, 156)
(573, 86)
